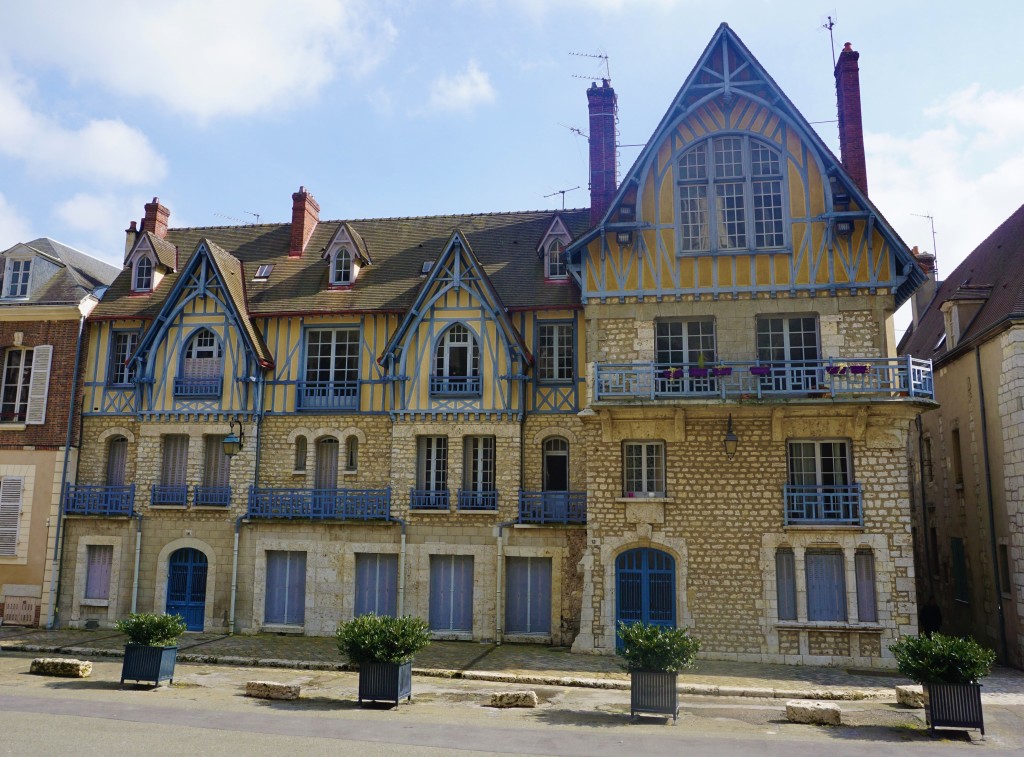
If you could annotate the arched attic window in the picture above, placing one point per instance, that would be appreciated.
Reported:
(202, 366)
(342, 270)
(554, 261)
(143, 279)
(730, 196)
(456, 363)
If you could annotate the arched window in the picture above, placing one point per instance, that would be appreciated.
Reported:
(341, 267)
(202, 366)
(456, 363)
(300, 453)
(326, 463)
(730, 196)
(556, 464)
(117, 456)
(554, 267)
(351, 454)
(143, 275)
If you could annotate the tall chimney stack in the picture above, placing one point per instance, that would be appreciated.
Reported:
(602, 103)
(305, 217)
(155, 220)
(924, 294)
(851, 129)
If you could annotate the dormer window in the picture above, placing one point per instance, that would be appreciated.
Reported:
(456, 363)
(16, 280)
(554, 261)
(143, 279)
(342, 270)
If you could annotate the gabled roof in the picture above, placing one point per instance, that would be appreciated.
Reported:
(78, 274)
(993, 272)
(166, 253)
(726, 68)
(345, 233)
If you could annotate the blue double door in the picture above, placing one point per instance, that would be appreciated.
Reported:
(186, 587)
(645, 582)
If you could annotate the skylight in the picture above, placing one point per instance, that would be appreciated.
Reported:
(263, 272)
(425, 268)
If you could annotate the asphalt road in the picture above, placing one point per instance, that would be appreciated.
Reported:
(204, 713)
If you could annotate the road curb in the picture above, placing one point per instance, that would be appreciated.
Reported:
(693, 689)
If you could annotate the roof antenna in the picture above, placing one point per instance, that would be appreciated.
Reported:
(561, 192)
(250, 213)
(828, 25)
(599, 56)
(230, 218)
(935, 249)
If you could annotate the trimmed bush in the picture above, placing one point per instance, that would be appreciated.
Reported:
(152, 630)
(379, 638)
(656, 648)
(942, 659)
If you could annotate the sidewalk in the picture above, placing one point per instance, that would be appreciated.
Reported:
(512, 663)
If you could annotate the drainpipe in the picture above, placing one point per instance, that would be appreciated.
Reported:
(234, 574)
(240, 518)
(58, 546)
(498, 629)
(401, 570)
(991, 507)
(138, 554)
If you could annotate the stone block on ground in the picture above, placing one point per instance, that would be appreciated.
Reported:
(815, 713)
(272, 690)
(63, 667)
(910, 696)
(514, 699)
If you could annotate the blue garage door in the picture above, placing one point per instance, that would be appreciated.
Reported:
(645, 581)
(186, 587)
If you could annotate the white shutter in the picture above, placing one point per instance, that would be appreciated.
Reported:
(39, 384)
(10, 514)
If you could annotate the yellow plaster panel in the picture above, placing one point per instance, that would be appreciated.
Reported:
(705, 272)
(743, 271)
(666, 199)
(647, 209)
(724, 265)
(816, 190)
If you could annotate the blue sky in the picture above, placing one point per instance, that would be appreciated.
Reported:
(222, 108)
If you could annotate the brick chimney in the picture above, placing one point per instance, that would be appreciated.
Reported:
(155, 220)
(851, 130)
(305, 217)
(130, 235)
(924, 294)
(602, 104)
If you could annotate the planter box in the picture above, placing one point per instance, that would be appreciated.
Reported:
(723, 371)
(858, 370)
(953, 705)
(760, 370)
(146, 664)
(653, 692)
(385, 681)
(699, 372)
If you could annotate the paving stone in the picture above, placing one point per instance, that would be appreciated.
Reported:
(815, 713)
(514, 699)
(272, 690)
(63, 667)
(910, 696)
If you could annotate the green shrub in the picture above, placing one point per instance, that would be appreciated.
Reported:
(379, 638)
(648, 647)
(152, 630)
(942, 659)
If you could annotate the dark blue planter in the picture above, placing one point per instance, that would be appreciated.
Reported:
(953, 705)
(385, 681)
(145, 664)
(653, 692)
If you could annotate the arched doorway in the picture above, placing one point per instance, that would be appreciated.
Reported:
(186, 586)
(645, 583)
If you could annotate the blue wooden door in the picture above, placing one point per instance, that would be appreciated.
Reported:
(186, 587)
(645, 581)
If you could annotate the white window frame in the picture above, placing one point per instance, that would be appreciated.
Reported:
(347, 350)
(150, 274)
(20, 278)
(693, 344)
(479, 463)
(840, 477)
(555, 267)
(17, 408)
(457, 336)
(432, 463)
(119, 371)
(343, 267)
(643, 468)
(556, 352)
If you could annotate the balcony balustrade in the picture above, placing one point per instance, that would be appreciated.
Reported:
(877, 377)
(552, 508)
(320, 504)
(455, 386)
(169, 495)
(475, 500)
(328, 395)
(428, 499)
(192, 387)
(99, 500)
(823, 505)
(211, 496)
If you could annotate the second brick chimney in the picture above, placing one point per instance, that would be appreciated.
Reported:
(603, 161)
(305, 217)
(155, 220)
(851, 129)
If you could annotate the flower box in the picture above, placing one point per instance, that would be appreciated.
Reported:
(699, 372)
(835, 370)
(722, 370)
(760, 370)
(858, 370)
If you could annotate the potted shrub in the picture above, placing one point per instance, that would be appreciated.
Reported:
(383, 647)
(152, 647)
(699, 370)
(948, 669)
(654, 655)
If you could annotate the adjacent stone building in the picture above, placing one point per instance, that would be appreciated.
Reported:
(681, 405)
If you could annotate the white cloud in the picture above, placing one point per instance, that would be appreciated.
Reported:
(206, 58)
(463, 91)
(14, 227)
(94, 213)
(99, 150)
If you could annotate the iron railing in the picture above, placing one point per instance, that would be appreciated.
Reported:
(428, 499)
(99, 500)
(320, 504)
(211, 496)
(191, 387)
(455, 386)
(552, 507)
(886, 377)
(823, 505)
(169, 495)
(328, 395)
(475, 500)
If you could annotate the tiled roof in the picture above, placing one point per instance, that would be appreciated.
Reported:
(231, 273)
(505, 244)
(78, 276)
(993, 272)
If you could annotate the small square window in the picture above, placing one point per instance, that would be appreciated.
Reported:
(263, 272)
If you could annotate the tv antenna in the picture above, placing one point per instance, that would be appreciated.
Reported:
(935, 249)
(229, 218)
(250, 213)
(561, 192)
(828, 25)
(575, 130)
(597, 56)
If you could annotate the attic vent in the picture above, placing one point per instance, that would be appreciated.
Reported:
(425, 268)
(263, 272)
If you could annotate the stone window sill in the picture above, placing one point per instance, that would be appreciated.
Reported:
(823, 527)
(298, 473)
(94, 603)
(12, 426)
(812, 625)
(350, 473)
(643, 498)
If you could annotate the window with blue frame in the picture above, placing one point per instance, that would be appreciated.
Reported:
(122, 346)
(331, 378)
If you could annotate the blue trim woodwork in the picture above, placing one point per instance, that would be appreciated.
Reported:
(428, 499)
(211, 496)
(552, 508)
(163, 494)
(320, 504)
(99, 500)
(823, 505)
(477, 500)
(645, 587)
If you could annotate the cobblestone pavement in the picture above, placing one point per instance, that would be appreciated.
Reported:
(526, 662)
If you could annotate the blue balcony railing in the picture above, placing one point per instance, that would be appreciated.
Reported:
(99, 500)
(823, 505)
(320, 504)
(211, 496)
(191, 387)
(328, 395)
(428, 499)
(455, 386)
(879, 377)
(169, 495)
(473, 500)
(552, 507)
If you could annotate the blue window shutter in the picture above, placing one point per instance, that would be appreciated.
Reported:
(528, 595)
(462, 594)
(826, 585)
(285, 601)
(440, 603)
(376, 584)
(296, 608)
(785, 584)
(867, 609)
